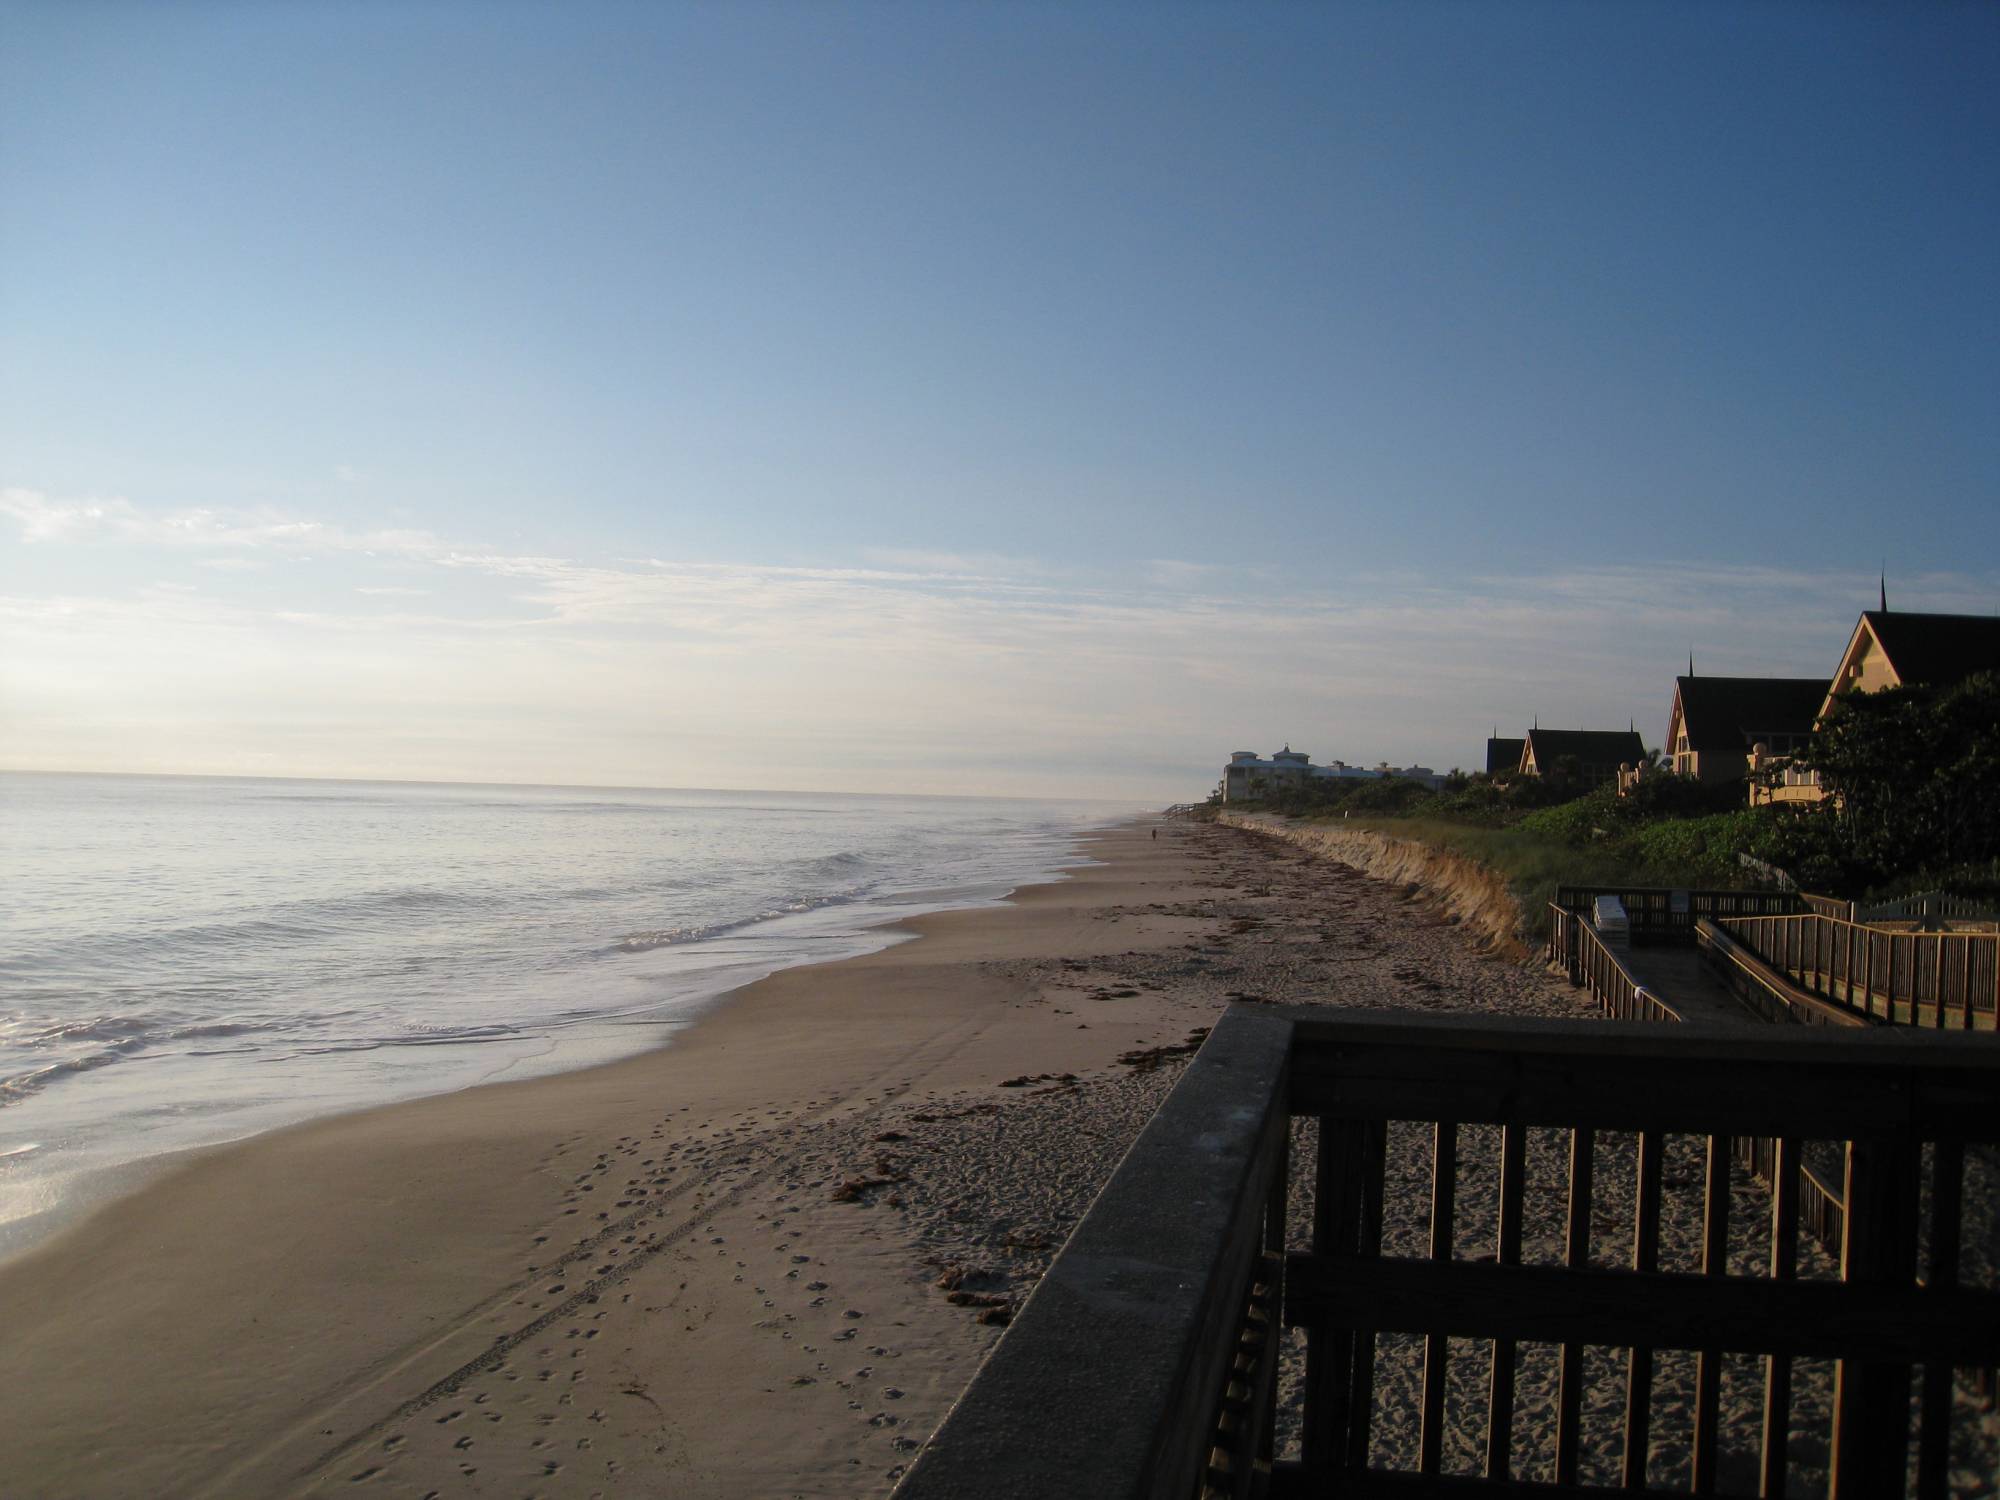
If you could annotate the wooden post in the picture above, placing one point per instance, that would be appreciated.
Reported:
(1871, 1402)
(1934, 1433)
(1569, 1394)
(1714, 1262)
(1437, 1348)
(1784, 1266)
(1938, 1019)
(1507, 1252)
(1328, 1356)
(1868, 968)
(1645, 1257)
(1368, 1235)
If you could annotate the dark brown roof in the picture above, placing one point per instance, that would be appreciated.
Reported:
(1726, 713)
(1591, 747)
(1503, 755)
(1937, 649)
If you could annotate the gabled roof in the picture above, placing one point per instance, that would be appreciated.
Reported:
(1591, 747)
(1723, 713)
(1503, 755)
(1936, 649)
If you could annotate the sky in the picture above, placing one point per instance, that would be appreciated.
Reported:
(1006, 398)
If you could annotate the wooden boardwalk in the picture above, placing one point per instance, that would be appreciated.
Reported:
(1680, 978)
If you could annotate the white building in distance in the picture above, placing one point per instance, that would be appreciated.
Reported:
(1248, 774)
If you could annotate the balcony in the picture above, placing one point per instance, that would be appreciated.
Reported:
(1370, 1254)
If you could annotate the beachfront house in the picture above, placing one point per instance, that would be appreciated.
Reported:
(1889, 648)
(1717, 722)
(1590, 756)
(1899, 649)
(1503, 754)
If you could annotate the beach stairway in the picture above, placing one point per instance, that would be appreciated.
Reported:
(1320, 1172)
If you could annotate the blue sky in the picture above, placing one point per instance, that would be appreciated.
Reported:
(1009, 397)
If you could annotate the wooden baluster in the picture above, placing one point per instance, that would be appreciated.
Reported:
(1938, 970)
(1507, 1252)
(1645, 1257)
(1328, 1355)
(1871, 1402)
(1277, 1204)
(1347, 1219)
(1373, 1158)
(1437, 1348)
(1714, 1262)
(1889, 979)
(1947, 1207)
(1576, 1255)
(1784, 1266)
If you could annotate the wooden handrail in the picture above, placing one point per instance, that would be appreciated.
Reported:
(1939, 980)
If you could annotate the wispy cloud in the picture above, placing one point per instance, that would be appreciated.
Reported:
(912, 671)
(45, 519)
(957, 564)
(1172, 572)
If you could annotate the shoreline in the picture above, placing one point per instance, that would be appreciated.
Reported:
(764, 1259)
(76, 1189)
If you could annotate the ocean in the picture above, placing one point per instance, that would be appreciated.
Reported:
(190, 960)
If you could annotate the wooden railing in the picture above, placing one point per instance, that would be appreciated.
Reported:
(1929, 906)
(1593, 964)
(1761, 989)
(1826, 906)
(1944, 980)
(1661, 914)
(1144, 1365)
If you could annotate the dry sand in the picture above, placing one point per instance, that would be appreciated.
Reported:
(761, 1261)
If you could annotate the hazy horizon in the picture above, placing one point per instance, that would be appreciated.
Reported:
(561, 786)
(1020, 401)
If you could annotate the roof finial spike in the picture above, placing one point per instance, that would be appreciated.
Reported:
(1885, 586)
(1690, 661)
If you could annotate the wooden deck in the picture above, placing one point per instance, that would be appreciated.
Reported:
(1143, 1365)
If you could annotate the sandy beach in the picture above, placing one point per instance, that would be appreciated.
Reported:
(760, 1261)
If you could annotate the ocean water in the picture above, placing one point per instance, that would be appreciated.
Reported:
(190, 960)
